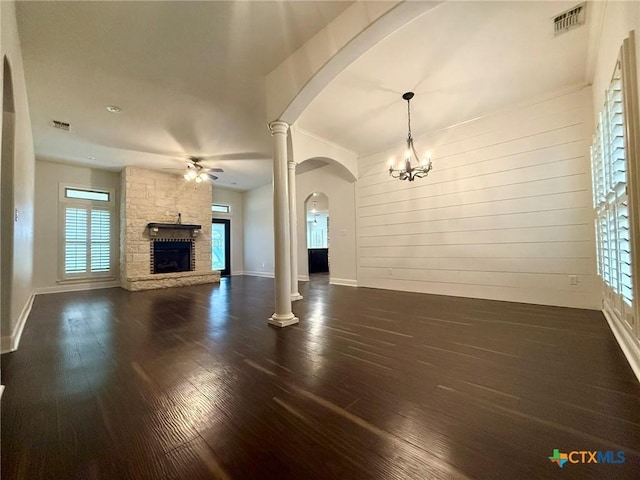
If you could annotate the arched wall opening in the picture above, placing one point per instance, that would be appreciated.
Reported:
(326, 177)
(317, 243)
(7, 202)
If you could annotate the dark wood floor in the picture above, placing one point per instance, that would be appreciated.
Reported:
(191, 383)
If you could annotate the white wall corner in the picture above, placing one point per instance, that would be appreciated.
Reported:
(628, 343)
(347, 282)
(595, 15)
(9, 343)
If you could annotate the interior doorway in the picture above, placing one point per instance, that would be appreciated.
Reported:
(317, 220)
(221, 246)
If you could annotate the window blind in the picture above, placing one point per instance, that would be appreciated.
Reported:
(609, 171)
(87, 246)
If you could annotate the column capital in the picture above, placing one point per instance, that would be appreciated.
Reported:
(292, 165)
(278, 126)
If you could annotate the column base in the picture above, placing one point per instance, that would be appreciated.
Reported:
(282, 322)
(296, 296)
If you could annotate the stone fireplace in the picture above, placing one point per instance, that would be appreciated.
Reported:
(172, 255)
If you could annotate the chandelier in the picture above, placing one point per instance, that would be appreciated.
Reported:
(411, 166)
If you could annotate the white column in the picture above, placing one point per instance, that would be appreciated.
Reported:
(293, 228)
(282, 246)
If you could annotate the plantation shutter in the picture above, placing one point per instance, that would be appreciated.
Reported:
(75, 230)
(87, 240)
(100, 240)
(610, 200)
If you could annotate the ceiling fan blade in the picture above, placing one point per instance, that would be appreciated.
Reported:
(212, 177)
(217, 170)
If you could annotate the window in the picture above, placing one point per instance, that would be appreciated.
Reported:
(220, 208)
(82, 194)
(611, 203)
(87, 216)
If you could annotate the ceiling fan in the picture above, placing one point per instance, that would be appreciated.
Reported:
(197, 172)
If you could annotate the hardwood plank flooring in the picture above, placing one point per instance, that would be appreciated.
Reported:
(191, 383)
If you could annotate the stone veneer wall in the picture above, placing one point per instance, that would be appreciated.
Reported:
(151, 196)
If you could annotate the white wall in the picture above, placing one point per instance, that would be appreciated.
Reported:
(258, 231)
(47, 255)
(235, 200)
(258, 225)
(23, 181)
(331, 181)
(505, 214)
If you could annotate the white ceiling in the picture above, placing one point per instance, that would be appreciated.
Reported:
(462, 60)
(190, 77)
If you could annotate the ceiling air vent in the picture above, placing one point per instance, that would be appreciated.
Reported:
(569, 19)
(60, 125)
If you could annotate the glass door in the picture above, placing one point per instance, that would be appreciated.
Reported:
(221, 246)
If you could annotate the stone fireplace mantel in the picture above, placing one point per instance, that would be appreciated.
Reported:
(175, 226)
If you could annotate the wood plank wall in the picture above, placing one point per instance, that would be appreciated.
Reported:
(505, 214)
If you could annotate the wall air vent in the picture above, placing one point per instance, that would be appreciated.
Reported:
(60, 125)
(569, 19)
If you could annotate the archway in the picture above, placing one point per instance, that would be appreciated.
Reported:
(317, 234)
(6, 199)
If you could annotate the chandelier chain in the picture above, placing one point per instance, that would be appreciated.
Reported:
(409, 116)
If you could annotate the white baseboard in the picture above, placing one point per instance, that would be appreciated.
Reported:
(347, 282)
(235, 273)
(76, 287)
(10, 343)
(628, 343)
(303, 278)
(259, 274)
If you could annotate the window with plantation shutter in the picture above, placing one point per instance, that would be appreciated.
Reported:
(87, 227)
(87, 240)
(609, 171)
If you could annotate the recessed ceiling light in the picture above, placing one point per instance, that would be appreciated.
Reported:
(114, 108)
(91, 157)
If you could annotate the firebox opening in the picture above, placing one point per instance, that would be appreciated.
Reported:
(172, 256)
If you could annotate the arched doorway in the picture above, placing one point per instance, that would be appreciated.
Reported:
(6, 199)
(317, 228)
